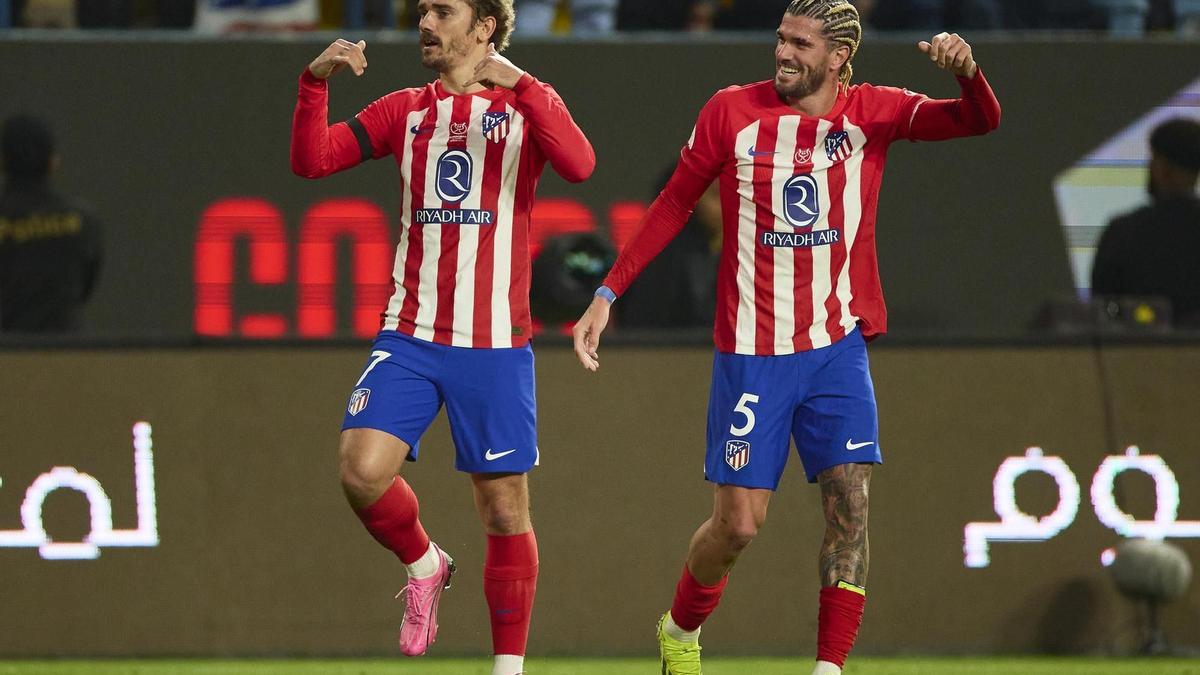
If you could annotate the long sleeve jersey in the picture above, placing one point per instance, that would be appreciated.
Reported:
(469, 165)
(798, 267)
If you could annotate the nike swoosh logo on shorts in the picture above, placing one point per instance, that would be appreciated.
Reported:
(491, 456)
(851, 445)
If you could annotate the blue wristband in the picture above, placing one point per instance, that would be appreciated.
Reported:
(606, 293)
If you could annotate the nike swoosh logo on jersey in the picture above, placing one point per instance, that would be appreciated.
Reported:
(492, 456)
(418, 130)
(758, 153)
(851, 445)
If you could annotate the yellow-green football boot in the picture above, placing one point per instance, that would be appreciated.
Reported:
(678, 658)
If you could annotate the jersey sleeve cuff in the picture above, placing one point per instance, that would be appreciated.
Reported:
(606, 293)
(525, 82)
(307, 79)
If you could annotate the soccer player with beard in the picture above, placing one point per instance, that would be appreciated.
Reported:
(799, 160)
(470, 147)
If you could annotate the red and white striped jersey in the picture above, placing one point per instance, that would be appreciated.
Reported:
(798, 196)
(469, 165)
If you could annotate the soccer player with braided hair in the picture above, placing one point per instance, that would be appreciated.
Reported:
(799, 161)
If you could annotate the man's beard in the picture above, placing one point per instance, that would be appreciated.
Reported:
(809, 82)
(441, 59)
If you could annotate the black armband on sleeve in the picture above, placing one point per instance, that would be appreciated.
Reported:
(364, 139)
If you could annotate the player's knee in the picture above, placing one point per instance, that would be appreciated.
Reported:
(363, 474)
(504, 517)
(738, 531)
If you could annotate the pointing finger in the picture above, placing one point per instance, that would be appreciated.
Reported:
(924, 46)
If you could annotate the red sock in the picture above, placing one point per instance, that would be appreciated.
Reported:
(392, 520)
(837, 622)
(694, 602)
(509, 583)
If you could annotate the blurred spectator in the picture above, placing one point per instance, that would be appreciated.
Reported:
(1155, 250)
(1125, 17)
(49, 247)
(696, 15)
(679, 287)
(588, 17)
(1187, 16)
(749, 14)
(933, 16)
(103, 13)
(229, 16)
(45, 14)
(707, 15)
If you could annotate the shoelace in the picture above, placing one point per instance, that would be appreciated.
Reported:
(410, 614)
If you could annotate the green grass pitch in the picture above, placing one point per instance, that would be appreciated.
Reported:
(562, 666)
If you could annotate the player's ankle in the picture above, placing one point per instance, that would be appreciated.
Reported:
(676, 633)
(508, 664)
(827, 668)
(426, 566)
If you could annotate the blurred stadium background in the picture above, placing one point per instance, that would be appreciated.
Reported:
(235, 300)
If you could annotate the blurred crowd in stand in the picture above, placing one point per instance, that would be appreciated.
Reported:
(598, 17)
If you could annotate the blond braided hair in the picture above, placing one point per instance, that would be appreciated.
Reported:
(841, 26)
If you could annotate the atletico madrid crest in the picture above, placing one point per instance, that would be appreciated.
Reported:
(838, 146)
(358, 401)
(737, 454)
(495, 126)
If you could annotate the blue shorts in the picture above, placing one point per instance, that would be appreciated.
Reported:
(489, 397)
(822, 398)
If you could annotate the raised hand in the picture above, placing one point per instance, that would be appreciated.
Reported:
(339, 55)
(950, 52)
(495, 71)
(587, 333)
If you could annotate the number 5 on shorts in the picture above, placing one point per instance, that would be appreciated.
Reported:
(743, 407)
(379, 355)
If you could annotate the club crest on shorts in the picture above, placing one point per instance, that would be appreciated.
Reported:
(495, 126)
(737, 454)
(358, 401)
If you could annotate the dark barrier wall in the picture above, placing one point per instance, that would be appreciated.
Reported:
(258, 554)
(153, 132)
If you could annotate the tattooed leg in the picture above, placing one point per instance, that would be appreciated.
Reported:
(844, 553)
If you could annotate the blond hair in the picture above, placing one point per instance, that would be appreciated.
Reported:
(842, 26)
(503, 12)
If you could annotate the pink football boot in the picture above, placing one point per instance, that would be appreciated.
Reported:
(421, 598)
